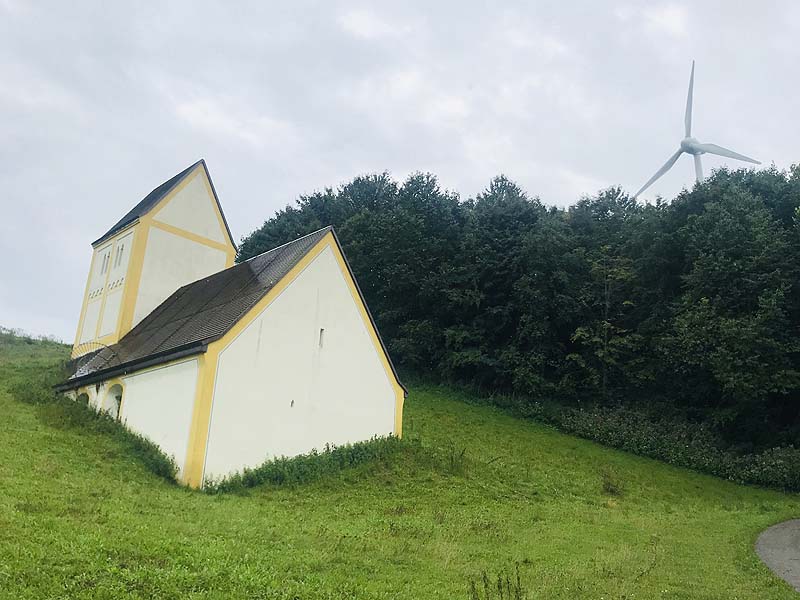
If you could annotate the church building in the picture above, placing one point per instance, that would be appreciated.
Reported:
(225, 366)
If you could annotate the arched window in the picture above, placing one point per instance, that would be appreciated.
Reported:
(82, 398)
(113, 400)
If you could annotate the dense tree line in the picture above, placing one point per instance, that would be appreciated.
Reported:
(688, 307)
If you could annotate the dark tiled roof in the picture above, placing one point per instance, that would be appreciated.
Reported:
(154, 197)
(201, 312)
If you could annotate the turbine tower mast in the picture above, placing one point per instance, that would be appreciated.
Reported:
(691, 145)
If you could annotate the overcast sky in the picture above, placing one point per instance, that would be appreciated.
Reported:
(282, 99)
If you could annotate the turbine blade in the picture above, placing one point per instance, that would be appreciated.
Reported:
(667, 166)
(698, 168)
(687, 120)
(720, 151)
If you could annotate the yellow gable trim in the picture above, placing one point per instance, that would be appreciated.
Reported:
(201, 417)
(227, 248)
(399, 392)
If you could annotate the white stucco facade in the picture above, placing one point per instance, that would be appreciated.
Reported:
(90, 317)
(171, 261)
(158, 404)
(303, 373)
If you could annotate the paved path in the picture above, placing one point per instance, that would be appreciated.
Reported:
(779, 548)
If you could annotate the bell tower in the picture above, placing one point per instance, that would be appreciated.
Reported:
(177, 234)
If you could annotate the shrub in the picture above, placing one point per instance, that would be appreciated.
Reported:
(675, 441)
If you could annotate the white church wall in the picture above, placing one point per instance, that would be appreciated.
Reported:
(110, 313)
(90, 318)
(159, 403)
(193, 208)
(282, 390)
(171, 261)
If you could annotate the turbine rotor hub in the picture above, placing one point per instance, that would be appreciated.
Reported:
(689, 145)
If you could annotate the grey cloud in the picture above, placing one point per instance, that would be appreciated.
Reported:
(286, 98)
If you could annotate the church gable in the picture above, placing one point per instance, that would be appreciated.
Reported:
(192, 207)
(320, 377)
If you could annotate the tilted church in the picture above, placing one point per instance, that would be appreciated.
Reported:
(225, 366)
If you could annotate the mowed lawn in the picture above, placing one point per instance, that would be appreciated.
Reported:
(80, 519)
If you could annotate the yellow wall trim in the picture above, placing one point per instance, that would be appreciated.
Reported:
(193, 236)
(201, 419)
(134, 277)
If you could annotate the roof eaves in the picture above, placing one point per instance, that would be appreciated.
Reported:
(134, 365)
(110, 235)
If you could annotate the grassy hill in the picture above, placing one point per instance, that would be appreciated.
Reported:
(480, 492)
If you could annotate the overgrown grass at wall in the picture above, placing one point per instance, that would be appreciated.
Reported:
(35, 386)
(378, 452)
(307, 467)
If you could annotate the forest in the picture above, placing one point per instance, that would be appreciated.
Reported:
(684, 308)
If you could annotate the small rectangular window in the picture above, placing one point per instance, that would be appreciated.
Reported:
(321, 336)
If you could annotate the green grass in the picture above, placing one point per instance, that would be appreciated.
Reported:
(479, 491)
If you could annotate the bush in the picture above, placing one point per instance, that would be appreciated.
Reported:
(777, 467)
(307, 467)
(673, 440)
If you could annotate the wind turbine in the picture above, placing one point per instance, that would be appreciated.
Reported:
(690, 145)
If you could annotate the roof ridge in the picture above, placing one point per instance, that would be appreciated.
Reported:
(302, 237)
(244, 262)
